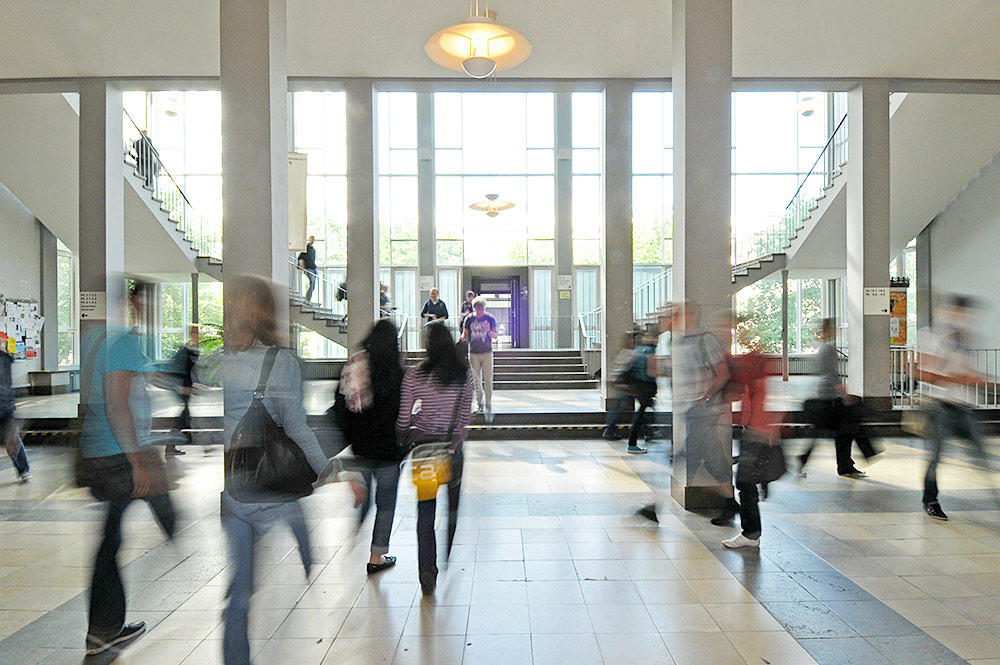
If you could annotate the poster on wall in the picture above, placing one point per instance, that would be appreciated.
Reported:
(897, 313)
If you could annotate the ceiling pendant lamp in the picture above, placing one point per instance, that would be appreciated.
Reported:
(491, 206)
(480, 46)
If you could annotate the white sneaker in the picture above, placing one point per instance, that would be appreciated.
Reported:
(739, 540)
(489, 416)
(479, 410)
(24, 477)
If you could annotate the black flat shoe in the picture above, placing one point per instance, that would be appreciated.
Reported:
(428, 582)
(389, 562)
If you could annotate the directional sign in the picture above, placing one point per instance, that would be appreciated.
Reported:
(93, 305)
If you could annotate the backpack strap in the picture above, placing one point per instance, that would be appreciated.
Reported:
(265, 372)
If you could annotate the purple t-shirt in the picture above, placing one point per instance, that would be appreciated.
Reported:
(478, 332)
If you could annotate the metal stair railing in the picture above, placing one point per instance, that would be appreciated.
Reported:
(751, 248)
(648, 299)
(205, 238)
(327, 301)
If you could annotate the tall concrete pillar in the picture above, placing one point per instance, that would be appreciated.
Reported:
(102, 220)
(565, 322)
(254, 83)
(924, 295)
(48, 278)
(702, 95)
(616, 230)
(868, 240)
(362, 227)
(426, 246)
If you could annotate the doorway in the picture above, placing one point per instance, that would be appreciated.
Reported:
(503, 302)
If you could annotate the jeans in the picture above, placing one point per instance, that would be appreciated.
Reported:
(311, 276)
(948, 420)
(107, 595)
(482, 365)
(426, 540)
(21, 459)
(621, 404)
(387, 477)
(245, 524)
(641, 419)
(749, 510)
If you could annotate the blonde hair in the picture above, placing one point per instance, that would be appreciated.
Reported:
(250, 313)
(479, 301)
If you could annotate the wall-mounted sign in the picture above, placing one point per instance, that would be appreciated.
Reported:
(876, 300)
(426, 282)
(565, 295)
(564, 282)
(93, 305)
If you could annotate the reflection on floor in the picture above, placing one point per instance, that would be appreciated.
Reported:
(319, 396)
(550, 566)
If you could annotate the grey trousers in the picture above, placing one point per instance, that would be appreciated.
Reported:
(482, 365)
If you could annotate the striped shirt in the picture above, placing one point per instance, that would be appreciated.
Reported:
(427, 405)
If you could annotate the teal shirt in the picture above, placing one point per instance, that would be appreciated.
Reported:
(119, 351)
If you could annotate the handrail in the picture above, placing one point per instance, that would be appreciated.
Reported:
(147, 164)
(159, 160)
(775, 239)
(818, 157)
(400, 335)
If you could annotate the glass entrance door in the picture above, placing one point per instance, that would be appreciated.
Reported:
(500, 302)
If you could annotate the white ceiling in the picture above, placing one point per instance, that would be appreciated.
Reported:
(585, 38)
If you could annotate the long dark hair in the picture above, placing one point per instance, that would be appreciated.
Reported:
(443, 361)
(250, 306)
(384, 361)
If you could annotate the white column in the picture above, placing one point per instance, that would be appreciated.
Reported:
(102, 216)
(426, 242)
(868, 239)
(566, 323)
(254, 83)
(49, 305)
(362, 227)
(702, 94)
(616, 232)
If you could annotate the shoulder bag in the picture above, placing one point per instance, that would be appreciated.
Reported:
(263, 463)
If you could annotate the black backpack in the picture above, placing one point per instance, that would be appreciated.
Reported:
(263, 463)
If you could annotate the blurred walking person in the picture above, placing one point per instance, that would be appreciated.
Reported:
(184, 364)
(761, 456)
(950, 384)
(367, 407)
(479, 330)
(272, 457)
(621, 382)
(835, 410)
(118, 466)
(435, 406)
(643, 382)
(307, 264)
(9, 434)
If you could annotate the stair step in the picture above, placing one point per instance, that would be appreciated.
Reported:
(541, 379)
(547, 385)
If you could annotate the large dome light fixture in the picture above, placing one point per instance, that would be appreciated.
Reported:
(491, 206)
(480, 46)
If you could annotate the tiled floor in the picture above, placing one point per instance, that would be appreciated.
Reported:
(549, 566)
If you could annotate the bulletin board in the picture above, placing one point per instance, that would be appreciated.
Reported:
(20, 328)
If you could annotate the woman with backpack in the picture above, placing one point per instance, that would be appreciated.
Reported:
(436, 406)
(272, 457)
(367, 406)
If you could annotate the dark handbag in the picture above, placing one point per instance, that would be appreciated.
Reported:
(110, 478)
(760, 462)
(820, 413)
(263, 463)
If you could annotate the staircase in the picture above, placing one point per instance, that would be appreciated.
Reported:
(533, 369)
(762, 253)
(201, 244)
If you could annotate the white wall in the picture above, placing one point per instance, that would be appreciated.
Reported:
(20, 273)
(965, 249)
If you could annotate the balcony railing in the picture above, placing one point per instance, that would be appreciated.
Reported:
(909, 391)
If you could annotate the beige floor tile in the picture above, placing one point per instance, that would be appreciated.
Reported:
(885, 588)
(685, 550)
(499, 620)
(954, 564)
(361, 651)
(302, 623)
(905, 565)
(629, 649)
(978, 610)
(208, 652)
(186, 625)
(721, 591)
(375, 622)
(562, 649)
(967, 641)
(701, 649)
(942, 586)
(743, 617)
(153, 652)
(702, 569)
(927, 612)
(601, 569)
(12, 621)
(610, 593)
(858, 565)
(620, 619)
(555, 593)
(684, 618)
(560, 620)
(775, 648)
(430, 650)
(292, 652)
